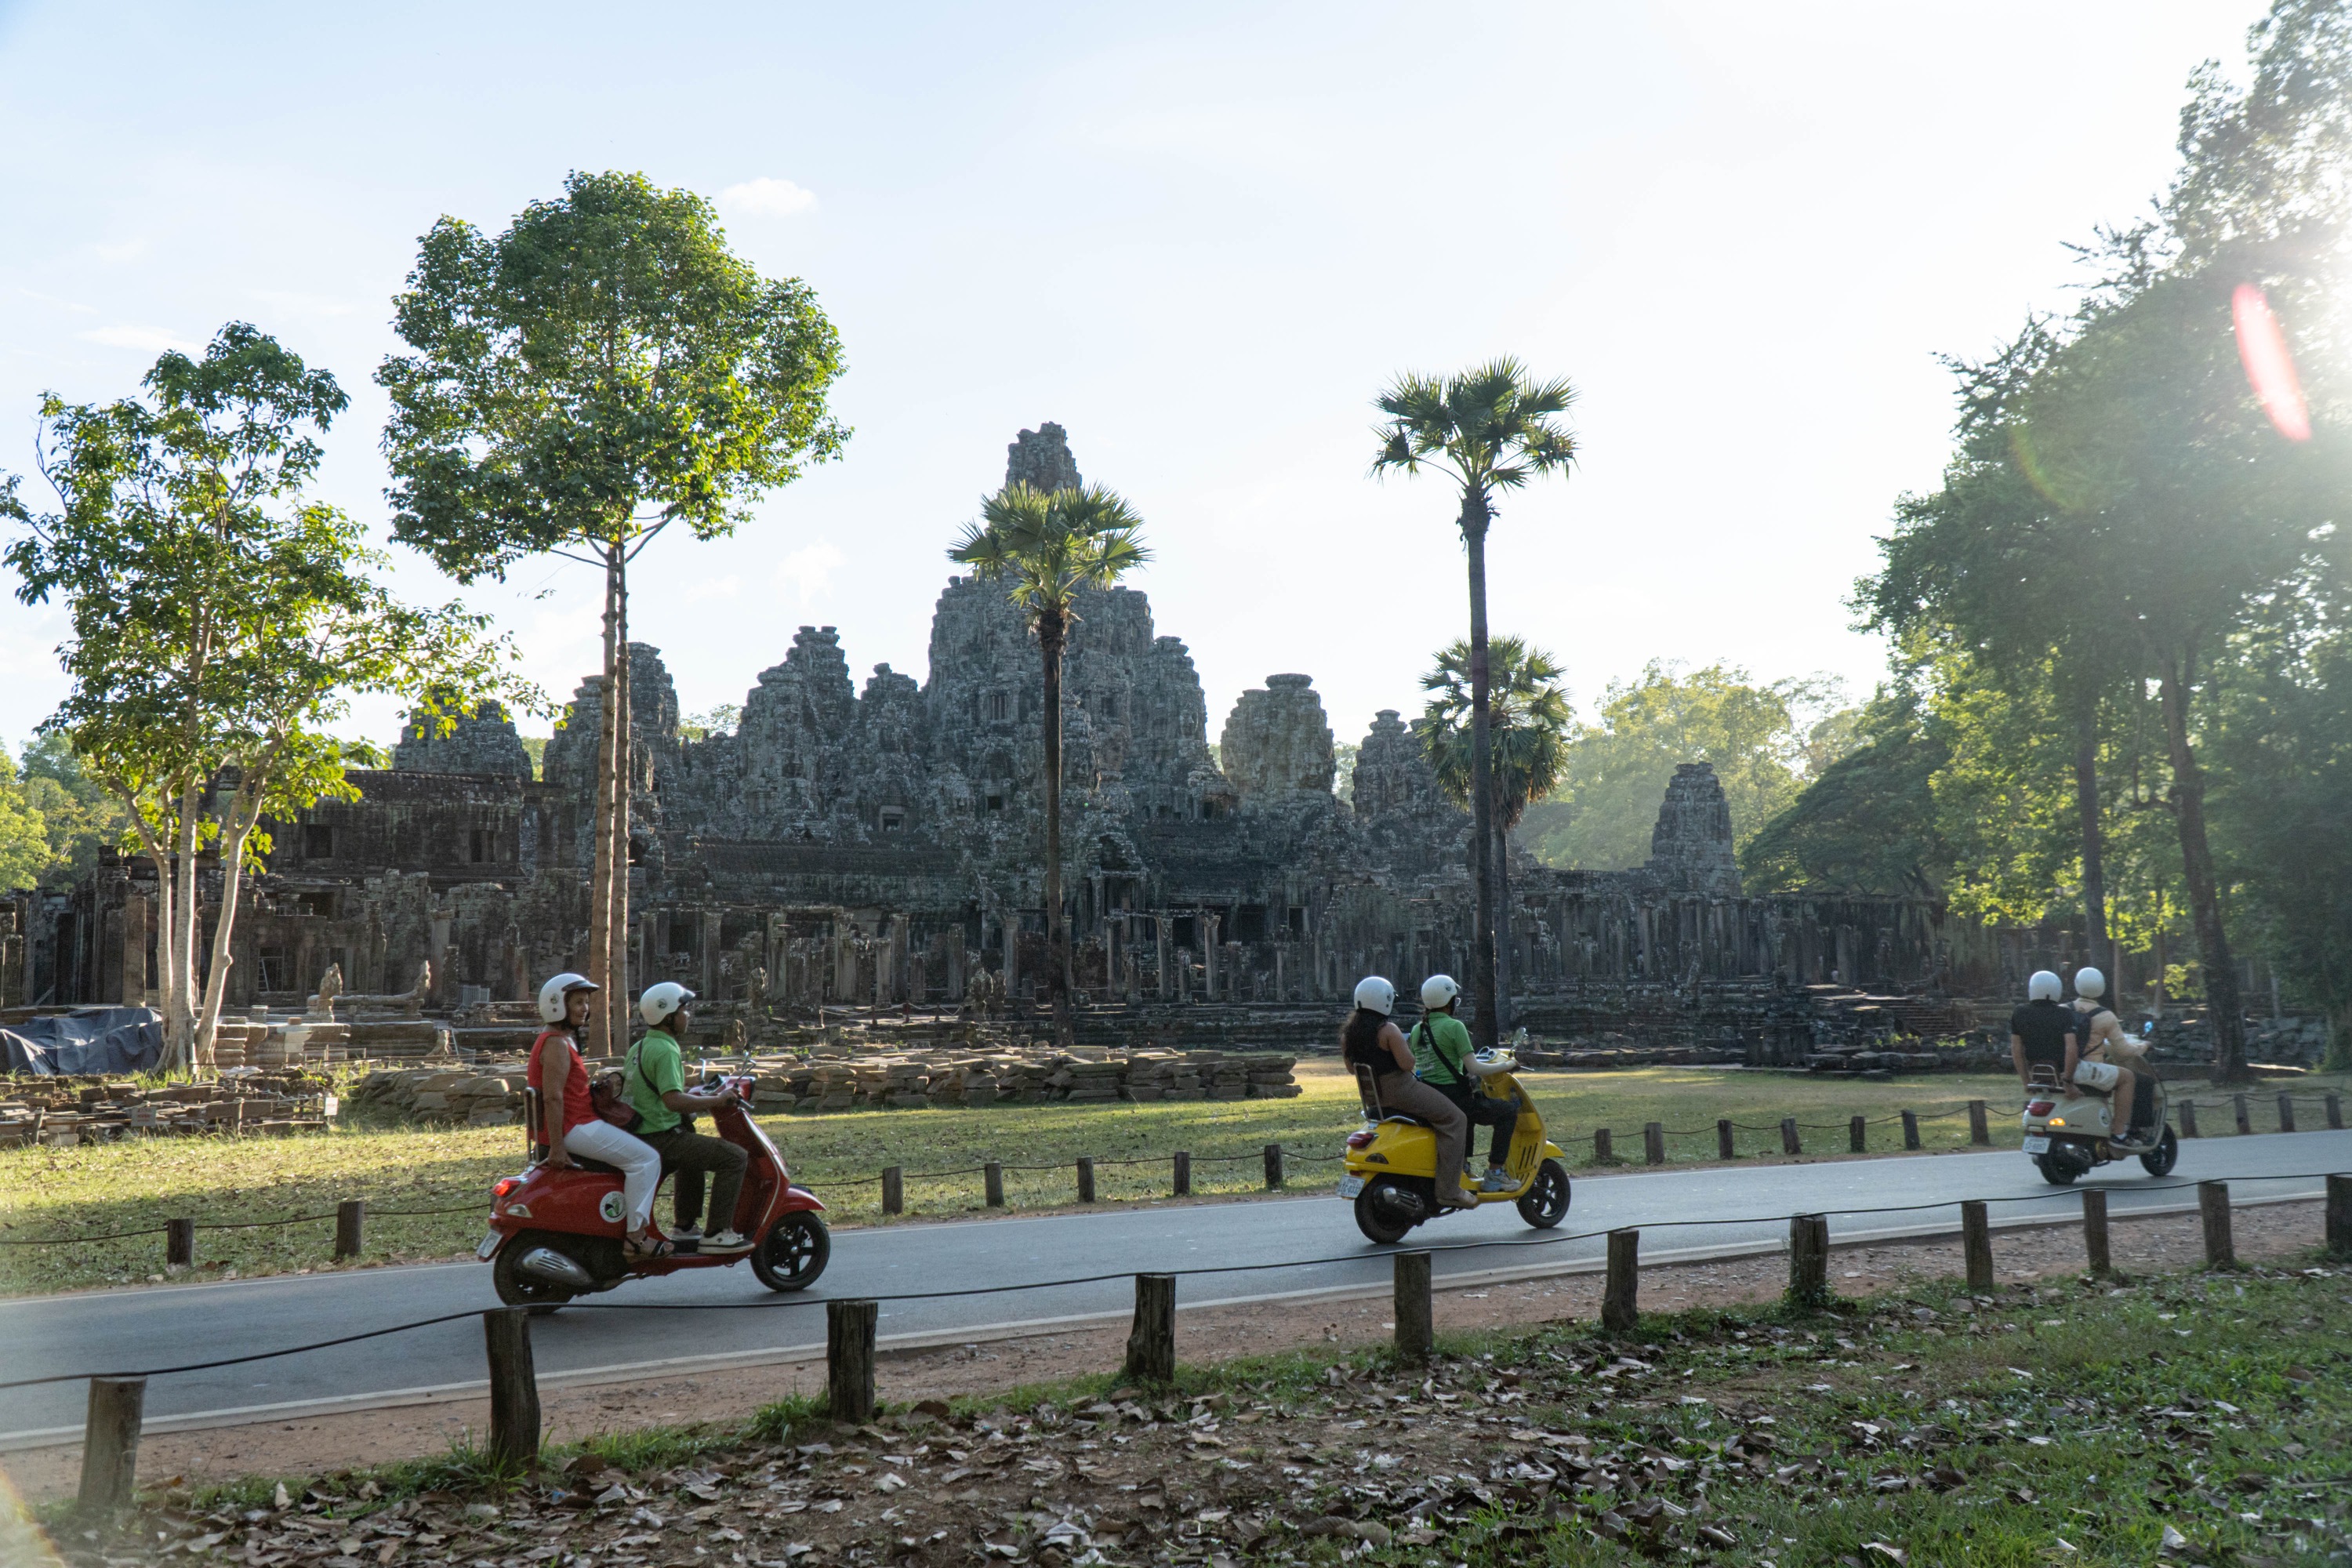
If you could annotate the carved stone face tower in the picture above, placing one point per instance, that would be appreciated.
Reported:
(1690, 848)
(1041, 460)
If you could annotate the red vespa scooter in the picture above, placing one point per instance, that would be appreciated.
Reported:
(557, 1233)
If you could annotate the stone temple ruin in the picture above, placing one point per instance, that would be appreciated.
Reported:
(857, 847)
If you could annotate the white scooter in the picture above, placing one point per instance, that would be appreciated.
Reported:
(2069, 1132)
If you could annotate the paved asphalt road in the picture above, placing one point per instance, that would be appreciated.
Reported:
(126, 1330)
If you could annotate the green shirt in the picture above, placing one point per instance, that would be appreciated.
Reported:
(656, 1068)
(1435, 1058)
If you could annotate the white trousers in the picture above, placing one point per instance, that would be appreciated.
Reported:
(640, 1165)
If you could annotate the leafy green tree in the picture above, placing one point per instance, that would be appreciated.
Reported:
(1528, 725)
(1044, 547)
(78, 816)
(1489, 429)
(604, 368)
(218, 623)
(1867, 822)
(23, 833)
(1614, 776)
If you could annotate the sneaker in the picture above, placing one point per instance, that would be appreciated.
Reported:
(726, 1241)
(686, 1233)
(1497, 1180)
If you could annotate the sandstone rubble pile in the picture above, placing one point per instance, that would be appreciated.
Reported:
(61, 1113)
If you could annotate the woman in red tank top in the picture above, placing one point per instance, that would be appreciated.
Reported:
(561, 1076)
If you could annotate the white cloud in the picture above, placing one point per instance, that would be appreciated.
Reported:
(154, 340)
(726, 587)
(294, 304)
(767, 197)
(808, 570)
(129, 250)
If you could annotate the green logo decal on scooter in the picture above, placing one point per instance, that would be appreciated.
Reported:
(612, 1207)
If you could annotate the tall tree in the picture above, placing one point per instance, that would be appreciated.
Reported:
(1986, 560)
(1528, 723)
(1044, 548)
(603, 369)
(219, 622)
(1490, 429)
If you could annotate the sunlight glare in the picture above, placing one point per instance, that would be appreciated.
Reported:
(2269, 364)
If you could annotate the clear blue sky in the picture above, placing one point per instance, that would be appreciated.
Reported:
(1198, 236)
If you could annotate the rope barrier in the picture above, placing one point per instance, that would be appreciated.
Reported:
(780, 1303)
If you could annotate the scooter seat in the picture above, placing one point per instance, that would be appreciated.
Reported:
(581, 1163)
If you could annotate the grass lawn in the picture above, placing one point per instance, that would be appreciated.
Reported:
(139, 1185)
(2201, 1419)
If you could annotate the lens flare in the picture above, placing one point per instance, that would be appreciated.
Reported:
(2269, 363)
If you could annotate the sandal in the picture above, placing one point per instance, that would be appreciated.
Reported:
(648, 1246)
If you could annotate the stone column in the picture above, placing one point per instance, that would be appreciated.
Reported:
(706, 950)
(1009, 928)
(1160, 971)
(955, 965)
(131, 987)
(901, 947)
(1208, 956)
(650, 951)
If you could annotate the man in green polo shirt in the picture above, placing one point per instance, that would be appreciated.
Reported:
(655, 1073)
(1441, 1050)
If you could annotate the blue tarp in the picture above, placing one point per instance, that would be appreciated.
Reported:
(90, 1040)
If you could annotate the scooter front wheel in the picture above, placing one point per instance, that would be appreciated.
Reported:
(2159, 1161)
(1545, 1203)
(793, 1252)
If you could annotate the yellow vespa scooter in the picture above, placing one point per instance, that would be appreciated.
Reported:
(1392, 1161)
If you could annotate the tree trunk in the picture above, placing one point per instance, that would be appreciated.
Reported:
(2086, 806)
(235, 833)
(179, 969)
(1483, 1031)
(1053, 627)
(600, 881)
(1502, 928)
(2221, 1003)
(625, 774)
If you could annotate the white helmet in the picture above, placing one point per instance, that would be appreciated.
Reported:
(2044, 986)
(1437, 991)
(2090, 985)
(551, 995)
(658, 1002)
(1374, 995)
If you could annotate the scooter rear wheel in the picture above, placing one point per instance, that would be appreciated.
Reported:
(793, 1252)
(517, 1288)
(1375, 1221)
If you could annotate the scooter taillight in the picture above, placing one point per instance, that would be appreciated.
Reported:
(1361, 1139)
(506, 1184)
(2040, 1108)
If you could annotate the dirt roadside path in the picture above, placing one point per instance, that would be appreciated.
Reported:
(2166, 1244)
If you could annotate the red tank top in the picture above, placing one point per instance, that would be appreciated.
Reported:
(577, 1107)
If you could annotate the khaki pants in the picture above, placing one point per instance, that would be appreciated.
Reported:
(1403, 1093)
(692, 1156)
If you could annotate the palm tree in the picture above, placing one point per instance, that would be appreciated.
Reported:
(1528, 727)
(1489, 429)
(1044, 547)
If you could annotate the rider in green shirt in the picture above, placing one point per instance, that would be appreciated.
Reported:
(656, 1080)
(1442, 1049)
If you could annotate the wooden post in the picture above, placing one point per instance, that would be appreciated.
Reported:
(992, 1176)
(2213, 1208)
(1911, 1130)
(2245, 1117)
(1975, 1245)
(1415, 1318)
(351, 1228)
(2094, 1231)
(514, 1385)
(849, 1360)
(2188, 1119)
(1809, 1259)
(2286, 1112)
(1723, 1150)
(1151, 1342)
(109, 1443)
(2339, 1214)
(2335, 1111)
(1085, 1178)
(1790, 1143)
(1619, 1312)
(1602, 1154)
(1857, 1136)
(894, 1189)
(1184, 1175)
(1653, 1143)
(1273, 1166)
(180, 1242)
(1980, 1133)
